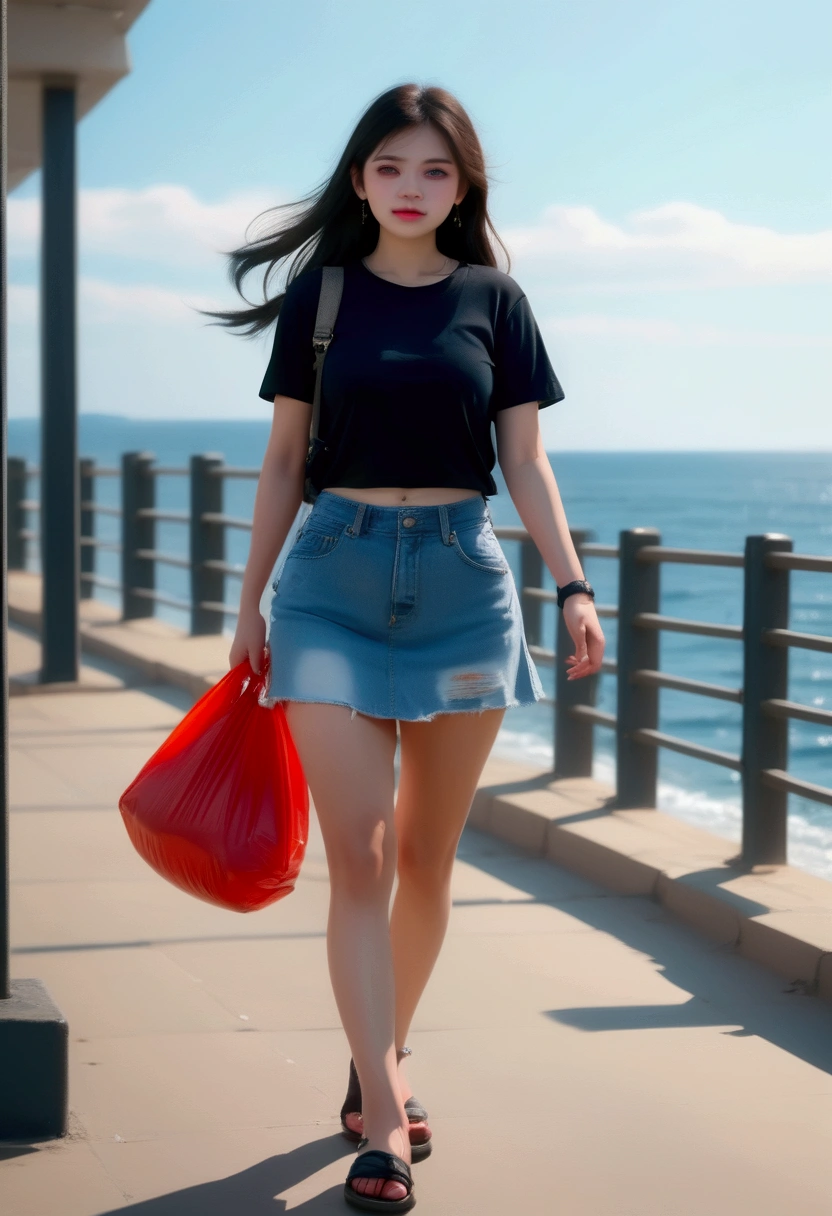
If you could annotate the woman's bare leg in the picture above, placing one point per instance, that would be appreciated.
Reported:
(348, 763)
(441, 764)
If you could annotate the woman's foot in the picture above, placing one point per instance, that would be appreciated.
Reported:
(419, 1132)
(378, 1188)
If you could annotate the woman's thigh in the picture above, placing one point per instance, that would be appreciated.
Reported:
(349, 765)
(440, 766)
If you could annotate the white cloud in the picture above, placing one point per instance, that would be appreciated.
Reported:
(676, 246)
(164, 223)
(657, 330)
(22, 304)
(102, 303)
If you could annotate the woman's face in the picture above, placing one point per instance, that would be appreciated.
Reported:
(410, 181)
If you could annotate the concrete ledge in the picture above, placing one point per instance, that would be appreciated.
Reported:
(779, 916)
(24, 659)
(29, 683)
(160, 653)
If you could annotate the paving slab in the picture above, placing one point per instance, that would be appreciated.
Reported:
(579, 1049)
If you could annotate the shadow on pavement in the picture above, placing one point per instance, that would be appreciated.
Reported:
(253, 1191)
(725, 988)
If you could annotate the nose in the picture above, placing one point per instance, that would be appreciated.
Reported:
(410, 190)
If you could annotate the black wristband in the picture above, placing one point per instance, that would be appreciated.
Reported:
(578, 584)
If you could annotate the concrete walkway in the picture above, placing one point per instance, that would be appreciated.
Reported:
(580, 1052)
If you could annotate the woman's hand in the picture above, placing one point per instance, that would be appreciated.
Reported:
(584, 629)
(249, 639)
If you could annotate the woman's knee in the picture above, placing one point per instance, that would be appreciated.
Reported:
(362, 859)
(425, 863)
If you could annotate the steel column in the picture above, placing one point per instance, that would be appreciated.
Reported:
(638, 704)
(765, 675)
(15, 493)
(207, 543)
(138, 491)
(4, 449)
(59, 523)
(87, 556)
(574, 738)
(531, 575)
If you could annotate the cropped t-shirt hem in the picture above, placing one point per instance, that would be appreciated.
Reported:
(349, 484)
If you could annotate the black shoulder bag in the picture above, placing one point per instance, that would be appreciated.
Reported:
(332, 284)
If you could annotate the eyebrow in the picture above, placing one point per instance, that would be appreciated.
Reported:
(430, 160)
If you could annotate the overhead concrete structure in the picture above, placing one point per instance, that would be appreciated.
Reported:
(80, 44)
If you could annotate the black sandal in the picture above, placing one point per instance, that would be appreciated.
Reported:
(414, 1110)
(377, 1164)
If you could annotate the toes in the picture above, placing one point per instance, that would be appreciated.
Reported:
(377, 1188)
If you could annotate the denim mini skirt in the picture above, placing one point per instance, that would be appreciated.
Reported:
(399, 612)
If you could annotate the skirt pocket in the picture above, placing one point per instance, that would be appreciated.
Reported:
(480, 548)
(315, 542)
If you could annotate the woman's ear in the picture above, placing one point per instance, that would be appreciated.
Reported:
(357, 181)
(463, 190)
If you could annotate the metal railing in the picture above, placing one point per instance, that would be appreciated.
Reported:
(765, 635)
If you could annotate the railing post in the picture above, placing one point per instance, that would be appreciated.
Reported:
(87, 483)
(765, 739)
(638, 704)
(574, 737)
(138, 490)
(15, 515)
(531, 575)
(207, 543)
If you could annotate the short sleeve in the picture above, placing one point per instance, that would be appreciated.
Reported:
(522, 371)
(291, 369)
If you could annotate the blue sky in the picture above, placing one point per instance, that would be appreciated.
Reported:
(660, 173)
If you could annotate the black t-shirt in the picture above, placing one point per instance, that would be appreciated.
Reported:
(414, 375)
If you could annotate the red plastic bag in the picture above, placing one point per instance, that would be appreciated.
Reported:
(221, 810)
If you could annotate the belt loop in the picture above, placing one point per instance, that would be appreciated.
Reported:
(355, 527)
(443, 523)
(487, 509)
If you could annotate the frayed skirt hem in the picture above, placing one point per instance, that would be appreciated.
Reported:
(270, 702)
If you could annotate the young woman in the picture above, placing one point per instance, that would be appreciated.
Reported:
(396, 604)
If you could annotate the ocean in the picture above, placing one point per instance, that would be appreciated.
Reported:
(699, 500)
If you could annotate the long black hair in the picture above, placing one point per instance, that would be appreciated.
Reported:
(325, 228)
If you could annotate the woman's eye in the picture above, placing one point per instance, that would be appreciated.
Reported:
(382, 169)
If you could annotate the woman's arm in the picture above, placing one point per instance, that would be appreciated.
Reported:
(276, 502)
(534, 492)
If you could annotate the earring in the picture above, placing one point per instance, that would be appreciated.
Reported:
(363, 211)
(457, 220)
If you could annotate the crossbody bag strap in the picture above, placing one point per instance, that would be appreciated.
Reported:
(332, 284)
